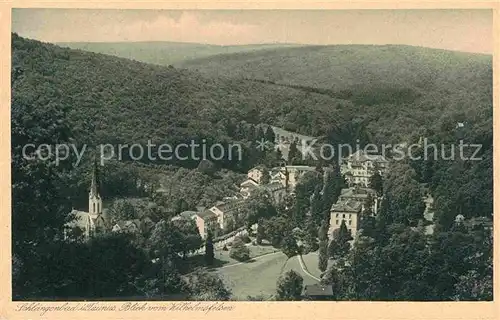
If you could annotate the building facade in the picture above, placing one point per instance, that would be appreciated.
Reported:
(359, 167)
(348, 211)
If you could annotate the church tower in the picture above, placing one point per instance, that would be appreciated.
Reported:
(95, 201)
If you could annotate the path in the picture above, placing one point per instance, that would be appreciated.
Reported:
(304, 268)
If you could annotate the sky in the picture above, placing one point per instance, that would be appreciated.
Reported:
(461, 30)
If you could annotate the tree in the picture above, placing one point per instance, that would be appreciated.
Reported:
(323, 230)
(258, 205)
(289, 286)
(188, 235)
(306, 188)
(239, 251)
(266, 177)
(323, 255)
(122, 210)
(289, 246)
(209, 250)
(339, 245)
(230, 225)
(333, 182)
(270, 136)
(376, 183)
(260, 232)
(367, 222)
(323, 245)
(206, 286)
(311, 237)
(207, 167)
(293, 153)
(276, 229)
(403, 201)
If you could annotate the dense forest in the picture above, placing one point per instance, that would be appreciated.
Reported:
(378, 94)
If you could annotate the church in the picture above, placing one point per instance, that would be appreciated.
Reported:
(85, 225)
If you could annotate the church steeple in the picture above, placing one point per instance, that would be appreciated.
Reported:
(95, 201)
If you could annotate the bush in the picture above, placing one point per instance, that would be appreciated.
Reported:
(289, 246)
(244, 238)
(239, 252)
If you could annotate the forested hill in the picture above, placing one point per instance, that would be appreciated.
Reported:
(163, 52)
(429, 82)
(114, 100)
(350, 67)
(106, 99)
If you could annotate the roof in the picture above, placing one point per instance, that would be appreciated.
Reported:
(185, 215)
(207, 214)
(249, 182)
(231, 203)
(318, 290)
(259, 168)
(347, 206)
(81, 219)
(128, 223)
(361, 156)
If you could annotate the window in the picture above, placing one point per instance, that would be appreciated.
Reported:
(336, 222)
(98, 210)
(349, 222)
(337, 215)
(93, 207)
(343, 216)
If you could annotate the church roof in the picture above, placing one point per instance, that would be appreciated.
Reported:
(95, 183)
(80, 219)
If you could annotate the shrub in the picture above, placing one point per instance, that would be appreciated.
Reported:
(239, 252)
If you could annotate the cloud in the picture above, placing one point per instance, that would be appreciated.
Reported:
(188, 27)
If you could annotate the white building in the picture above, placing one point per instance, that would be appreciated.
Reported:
(359, 167)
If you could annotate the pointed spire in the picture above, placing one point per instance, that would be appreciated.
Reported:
(94, 186)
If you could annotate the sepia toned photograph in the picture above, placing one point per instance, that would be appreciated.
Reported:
(251, 155)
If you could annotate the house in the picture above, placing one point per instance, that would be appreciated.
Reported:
(247, 187)
(318, 292)
(360, 194)
(206, 221)
(348, 211)
(289, 176)
(359, 167)
(187, 215)
(256, 174)
(277, 191)
(85, 225)
(277, 176)
(226, 211)
(128, 226)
